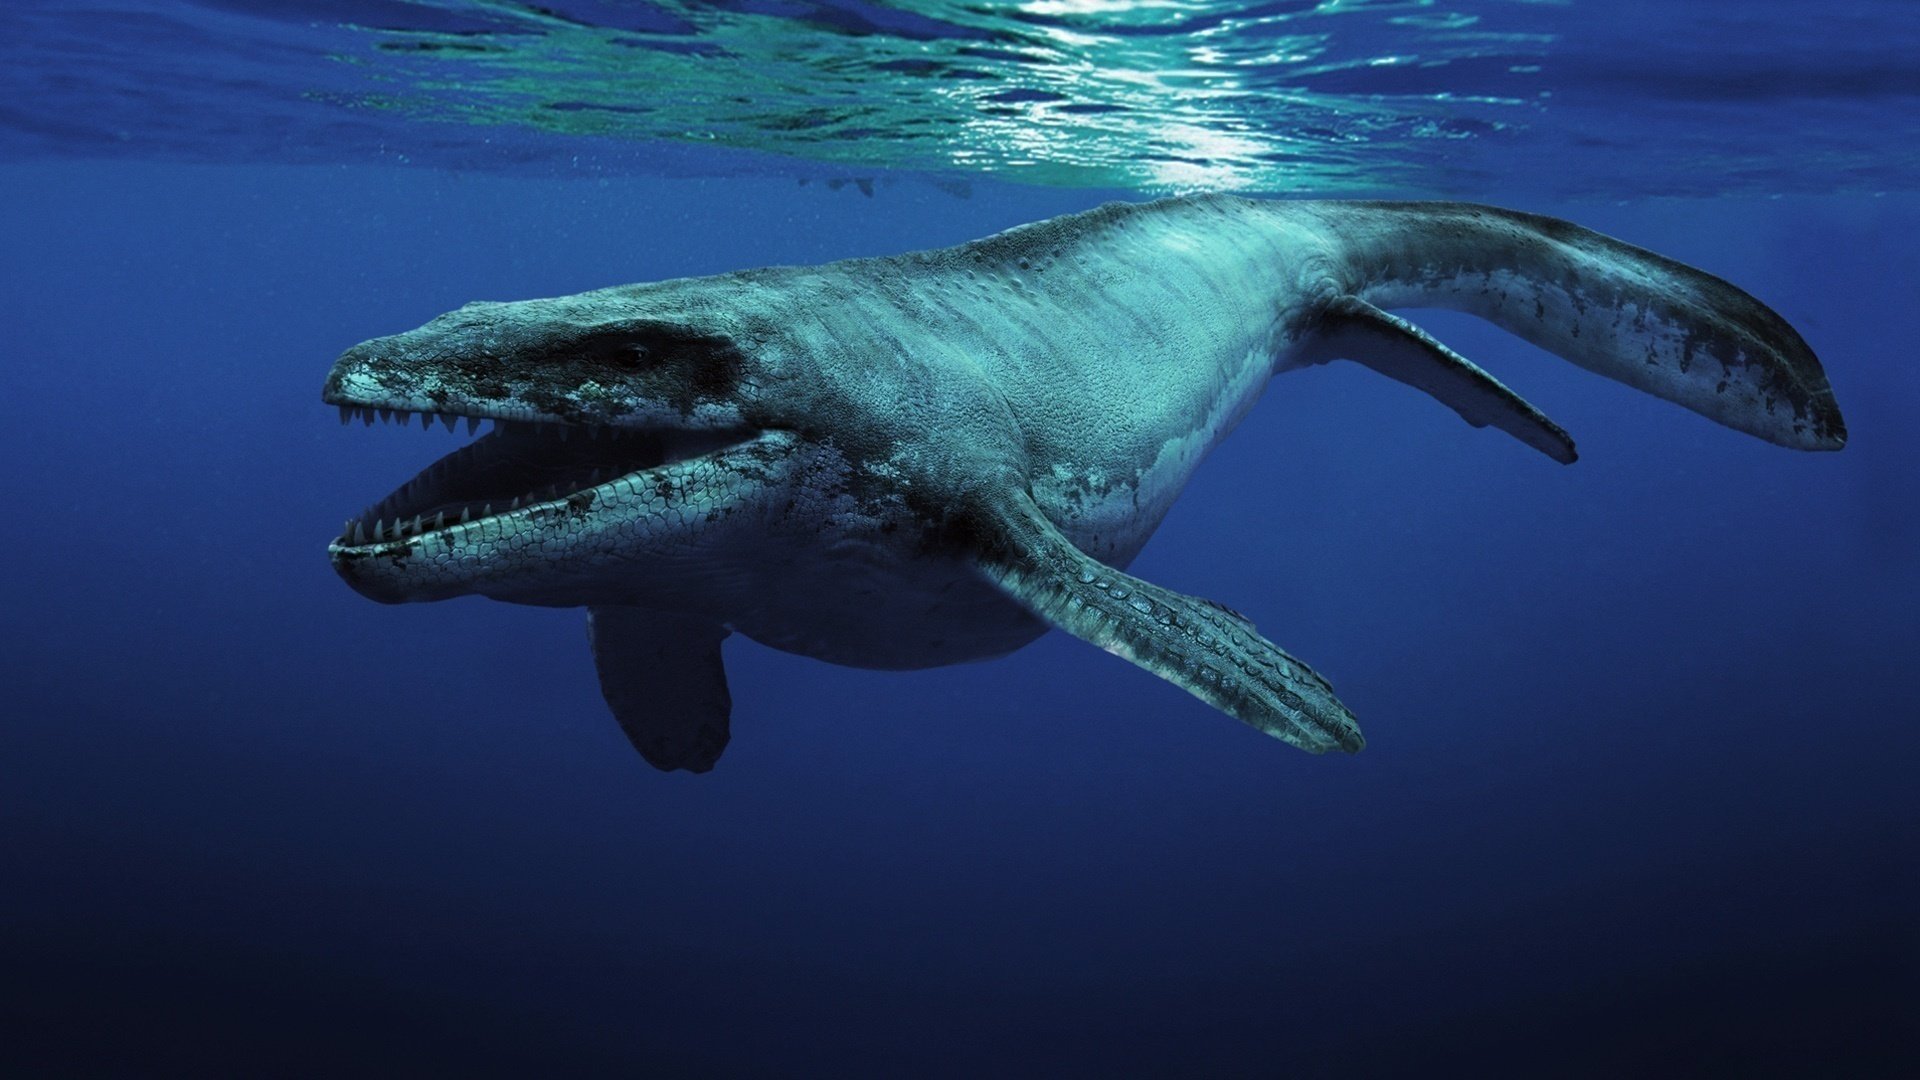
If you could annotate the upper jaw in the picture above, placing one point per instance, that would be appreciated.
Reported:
(365, 380)
(644, 361)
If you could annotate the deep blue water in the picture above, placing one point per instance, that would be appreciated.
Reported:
(1639, 796)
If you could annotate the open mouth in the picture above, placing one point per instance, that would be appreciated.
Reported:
(517, 468)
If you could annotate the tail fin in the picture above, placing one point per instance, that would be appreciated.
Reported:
(1636, 317)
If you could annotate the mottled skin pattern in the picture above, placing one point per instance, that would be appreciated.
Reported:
(929, 458)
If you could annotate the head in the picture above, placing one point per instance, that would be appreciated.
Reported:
(626, 428)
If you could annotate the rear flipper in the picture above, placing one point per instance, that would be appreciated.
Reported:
(1353, 329)
(1620, 311)
(1210, 651)
(662, 676)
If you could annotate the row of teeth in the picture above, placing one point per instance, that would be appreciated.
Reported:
(367, 414)
(382, 530)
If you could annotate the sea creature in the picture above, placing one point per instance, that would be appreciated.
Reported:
(928, 458)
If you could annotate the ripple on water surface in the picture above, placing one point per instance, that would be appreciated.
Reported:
(1545, 97)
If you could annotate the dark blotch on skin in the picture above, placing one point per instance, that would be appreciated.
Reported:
(960, 531)
(661, 362)
(580, 503)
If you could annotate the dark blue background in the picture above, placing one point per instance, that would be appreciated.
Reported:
(1640, 792)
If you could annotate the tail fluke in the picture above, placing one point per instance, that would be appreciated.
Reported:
(1621, 311)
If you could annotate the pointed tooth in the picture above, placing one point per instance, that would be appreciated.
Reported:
(426, 421)
(359, 533)
(473, 424)
(488, 512)
(446, 419)
(440, 520)
(366, 416)
(416, 523)
(466, 514)
(346, 415)
(514, 505)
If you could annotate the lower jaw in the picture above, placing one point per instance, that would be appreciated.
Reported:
(563, 552)
(511, 551)
(517, 466)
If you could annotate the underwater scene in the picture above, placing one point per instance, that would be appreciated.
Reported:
(808, 538)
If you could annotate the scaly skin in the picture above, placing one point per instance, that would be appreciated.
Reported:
(918, 460)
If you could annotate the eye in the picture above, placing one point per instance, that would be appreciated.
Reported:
(622, 352)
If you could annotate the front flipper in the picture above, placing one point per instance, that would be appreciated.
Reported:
(1352, 329)
(1208, 650)
(663, 677)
